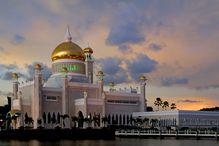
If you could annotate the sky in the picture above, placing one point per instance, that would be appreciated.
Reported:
(174, 43)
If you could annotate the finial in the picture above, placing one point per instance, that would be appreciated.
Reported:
(68, 34)
(142, 78)
(15, 76)
(37, 67)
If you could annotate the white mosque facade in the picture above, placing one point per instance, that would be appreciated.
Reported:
(71, 89)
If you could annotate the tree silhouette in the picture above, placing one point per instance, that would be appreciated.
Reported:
(173, 106)
(158, 102)
(165, 105)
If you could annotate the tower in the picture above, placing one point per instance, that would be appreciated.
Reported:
(143, 100)
(89, 64)
(15, 85)
(100, 76)
(37, 95)
(65, 101)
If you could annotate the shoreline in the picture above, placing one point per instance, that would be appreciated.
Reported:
(58, 134)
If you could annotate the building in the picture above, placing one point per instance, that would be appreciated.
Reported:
(71, 90)
(181, 119)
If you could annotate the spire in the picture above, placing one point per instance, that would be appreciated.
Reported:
(68, 35)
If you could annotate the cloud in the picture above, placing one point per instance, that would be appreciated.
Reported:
(113, 70)
(3, 51)
(124, 48)
(6, 71)
(125, 26)
(156, 46)
(27, 73)
(174, 81)
(18, 39)
(110, 65)
(189, 101)
(141, 64)
(46, 71)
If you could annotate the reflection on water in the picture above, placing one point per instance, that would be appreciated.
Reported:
(117, 142)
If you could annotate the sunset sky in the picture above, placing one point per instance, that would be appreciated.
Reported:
(174, 43)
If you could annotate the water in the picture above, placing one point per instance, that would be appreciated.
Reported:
(117, 142)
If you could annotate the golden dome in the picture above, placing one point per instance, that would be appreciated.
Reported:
(37, 66)
(142, 78)
(68, 50)
(14, 75)
(111, 84)
(100, 73)
(88, 50)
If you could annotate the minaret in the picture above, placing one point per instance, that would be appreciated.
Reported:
(64, 92)
(89, 64)
(143, 100)
(100, 76)
(37, 95)
(15, 85)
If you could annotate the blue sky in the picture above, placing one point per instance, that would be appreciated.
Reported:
(173, 42)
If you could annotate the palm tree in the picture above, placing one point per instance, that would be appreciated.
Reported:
(165, 105)
(158, 102)
(173, 106)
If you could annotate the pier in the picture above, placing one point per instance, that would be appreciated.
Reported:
(165, 134)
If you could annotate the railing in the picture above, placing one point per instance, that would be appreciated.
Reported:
(155, 133)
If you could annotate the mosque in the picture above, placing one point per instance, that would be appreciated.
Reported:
(71, 89)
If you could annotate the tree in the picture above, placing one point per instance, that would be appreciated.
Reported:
(173, 106)
(149, 109)
(28, 120)
(104, 120)
(146, 121)
(158, 102)
(165, 105)
(80, 119)
(44, 117)
(74, 120)
(153, 122)
(53, 120)
(65, 116)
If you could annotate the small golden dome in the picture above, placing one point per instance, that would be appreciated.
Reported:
(37, 66)
(88, 50)
(65, 69)
(142, 78)
(68, 50)
(14, 75)
(100, 73)
(111, 84)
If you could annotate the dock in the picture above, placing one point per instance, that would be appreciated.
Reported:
(165, 134)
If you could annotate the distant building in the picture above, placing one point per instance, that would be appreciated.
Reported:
(71, 90)
(181, 119)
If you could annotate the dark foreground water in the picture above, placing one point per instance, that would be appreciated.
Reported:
(117, 142)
